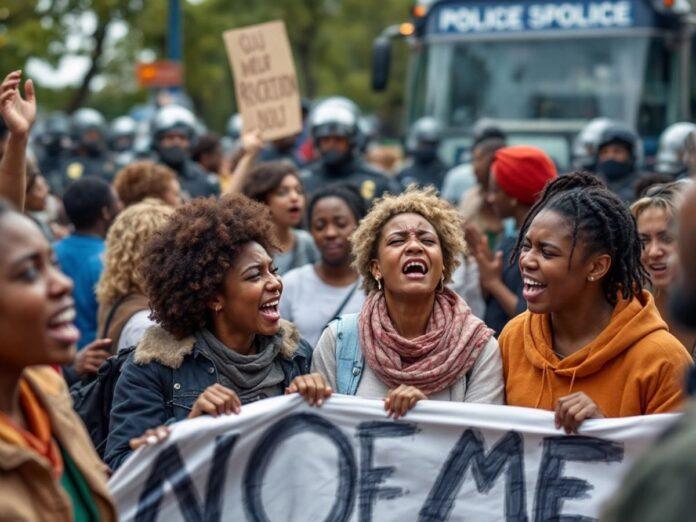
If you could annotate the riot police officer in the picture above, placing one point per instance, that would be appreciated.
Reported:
(53, 145)
(334, 130)
(173, 137)
(619, 152)
(585, 144)
(122, 140)
(422, 146)
(90, 156)
(671, 153)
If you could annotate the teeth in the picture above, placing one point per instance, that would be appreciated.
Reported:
(531, 282)
(272, 304)
(66, 316)
(415, 264)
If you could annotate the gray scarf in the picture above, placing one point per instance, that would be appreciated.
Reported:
(253, 377)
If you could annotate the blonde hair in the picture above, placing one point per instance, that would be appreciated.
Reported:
(125, 244)
(667, 197)
(439, 213)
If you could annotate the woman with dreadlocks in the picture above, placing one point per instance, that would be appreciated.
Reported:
(592, 343)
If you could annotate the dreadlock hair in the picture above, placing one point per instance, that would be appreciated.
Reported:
(604, 224)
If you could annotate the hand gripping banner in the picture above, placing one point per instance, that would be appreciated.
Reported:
(281, 460)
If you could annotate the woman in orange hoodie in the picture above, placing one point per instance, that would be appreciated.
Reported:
(592, 343)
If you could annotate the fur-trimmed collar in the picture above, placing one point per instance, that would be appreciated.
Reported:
(158, 345)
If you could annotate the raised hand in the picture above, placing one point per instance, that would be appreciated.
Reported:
(19, 113)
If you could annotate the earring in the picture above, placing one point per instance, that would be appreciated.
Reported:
(217, 309)
(590, 278)
(441, 286)
(379, 283)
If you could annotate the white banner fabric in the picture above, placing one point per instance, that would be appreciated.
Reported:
(281, 460)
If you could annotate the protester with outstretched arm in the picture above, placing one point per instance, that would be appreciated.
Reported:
(19, 115)
(252, 144)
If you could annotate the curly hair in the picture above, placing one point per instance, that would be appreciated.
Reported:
(187, 260)
(143, 179)
(602, 222)
(124, 249)
(438, 212)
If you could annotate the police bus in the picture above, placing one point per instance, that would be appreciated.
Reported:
(541, 68)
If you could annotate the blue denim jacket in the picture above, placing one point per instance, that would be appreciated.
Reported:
(163, 378)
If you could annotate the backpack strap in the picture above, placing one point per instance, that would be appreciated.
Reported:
(349, 357)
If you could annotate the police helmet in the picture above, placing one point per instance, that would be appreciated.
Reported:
(426, 129)
(86, 119)
(585, 143)
(234, 126)
(171, 117)
(670, 153)
(618, 133)
(123, 126)
(335, 116)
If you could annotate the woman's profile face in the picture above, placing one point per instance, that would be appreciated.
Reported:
(659, 246)
(287, 202)
(409, 256)
(36, 307)
(251, 294)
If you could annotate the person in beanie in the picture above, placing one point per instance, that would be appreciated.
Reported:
(518, 175)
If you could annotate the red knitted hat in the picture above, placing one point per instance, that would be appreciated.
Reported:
(522, 172)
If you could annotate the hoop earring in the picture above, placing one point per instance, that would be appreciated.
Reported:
(379, 283)
(441, 286)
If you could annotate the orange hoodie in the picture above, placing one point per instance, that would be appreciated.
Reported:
(633, 367)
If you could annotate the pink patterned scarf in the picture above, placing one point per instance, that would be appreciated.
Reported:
(432, 362)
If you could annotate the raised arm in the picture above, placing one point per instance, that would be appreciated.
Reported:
(19, 115)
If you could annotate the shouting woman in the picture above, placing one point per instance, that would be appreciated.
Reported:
(214, 292)
(592, 343)
(414, 338)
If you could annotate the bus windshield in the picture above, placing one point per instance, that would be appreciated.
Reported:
(551, 79)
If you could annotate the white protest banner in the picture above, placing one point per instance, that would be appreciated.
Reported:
(264, 79)
(283, 460)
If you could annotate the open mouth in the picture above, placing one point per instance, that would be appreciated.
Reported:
(415, 269)
(295, 210)
(532, 289)
(270, 311)
(658, 268)
(62, 329)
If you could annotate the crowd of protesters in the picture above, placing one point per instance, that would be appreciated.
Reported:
(214, 272)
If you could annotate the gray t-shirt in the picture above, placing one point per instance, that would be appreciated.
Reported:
(310, 303)
(486, 386)
(304, 252)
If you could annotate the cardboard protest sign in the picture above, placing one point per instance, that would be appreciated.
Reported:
(265, 82)
(283, 460)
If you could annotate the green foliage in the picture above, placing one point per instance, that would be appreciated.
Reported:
(331, 40)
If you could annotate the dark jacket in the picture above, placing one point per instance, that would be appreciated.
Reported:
(423, 174)
(369, 181)
(163, 378)
(195, 182)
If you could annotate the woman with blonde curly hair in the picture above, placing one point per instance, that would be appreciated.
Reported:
(414, 338)
(123, 308)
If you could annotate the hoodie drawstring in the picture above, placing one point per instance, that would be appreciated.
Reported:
(544, 380)
(572, 381)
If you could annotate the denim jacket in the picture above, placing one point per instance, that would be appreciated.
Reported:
(163, 378)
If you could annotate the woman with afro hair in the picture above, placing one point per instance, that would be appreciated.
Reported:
(592, 343)
(220, 343)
